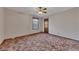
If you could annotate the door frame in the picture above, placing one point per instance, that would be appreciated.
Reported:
(46, 30)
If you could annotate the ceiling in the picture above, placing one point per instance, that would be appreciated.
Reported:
(31, 10)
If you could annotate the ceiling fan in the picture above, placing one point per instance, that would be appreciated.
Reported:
(41, 10)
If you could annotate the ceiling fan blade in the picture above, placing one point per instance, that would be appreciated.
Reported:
(44, 12)
(40, 7)
(45, 9)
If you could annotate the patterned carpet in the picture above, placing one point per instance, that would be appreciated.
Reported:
(40, 42)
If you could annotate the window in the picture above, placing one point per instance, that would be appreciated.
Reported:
(35, 24)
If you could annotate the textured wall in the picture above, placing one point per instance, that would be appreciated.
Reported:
(1, 25)
(65, 24)
(18, 24)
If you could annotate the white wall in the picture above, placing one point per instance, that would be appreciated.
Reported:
(18, 24)
(1, 25)
(78, 22)
(65, 24)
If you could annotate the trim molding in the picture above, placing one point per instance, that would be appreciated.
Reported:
(27, 35)
(1, 41)
(19, 37)
(63, 37)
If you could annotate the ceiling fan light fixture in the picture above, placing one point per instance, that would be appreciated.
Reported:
(40, 13)
(41, 10)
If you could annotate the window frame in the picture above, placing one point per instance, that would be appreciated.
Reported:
(33, 24)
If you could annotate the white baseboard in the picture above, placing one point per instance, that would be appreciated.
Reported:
(74, 38)
(1, 40)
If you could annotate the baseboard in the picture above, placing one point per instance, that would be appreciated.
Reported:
(19, 37)
(1, 41)
(64, 37)
(27, 35)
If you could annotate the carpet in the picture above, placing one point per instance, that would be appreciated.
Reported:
(40, 42)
